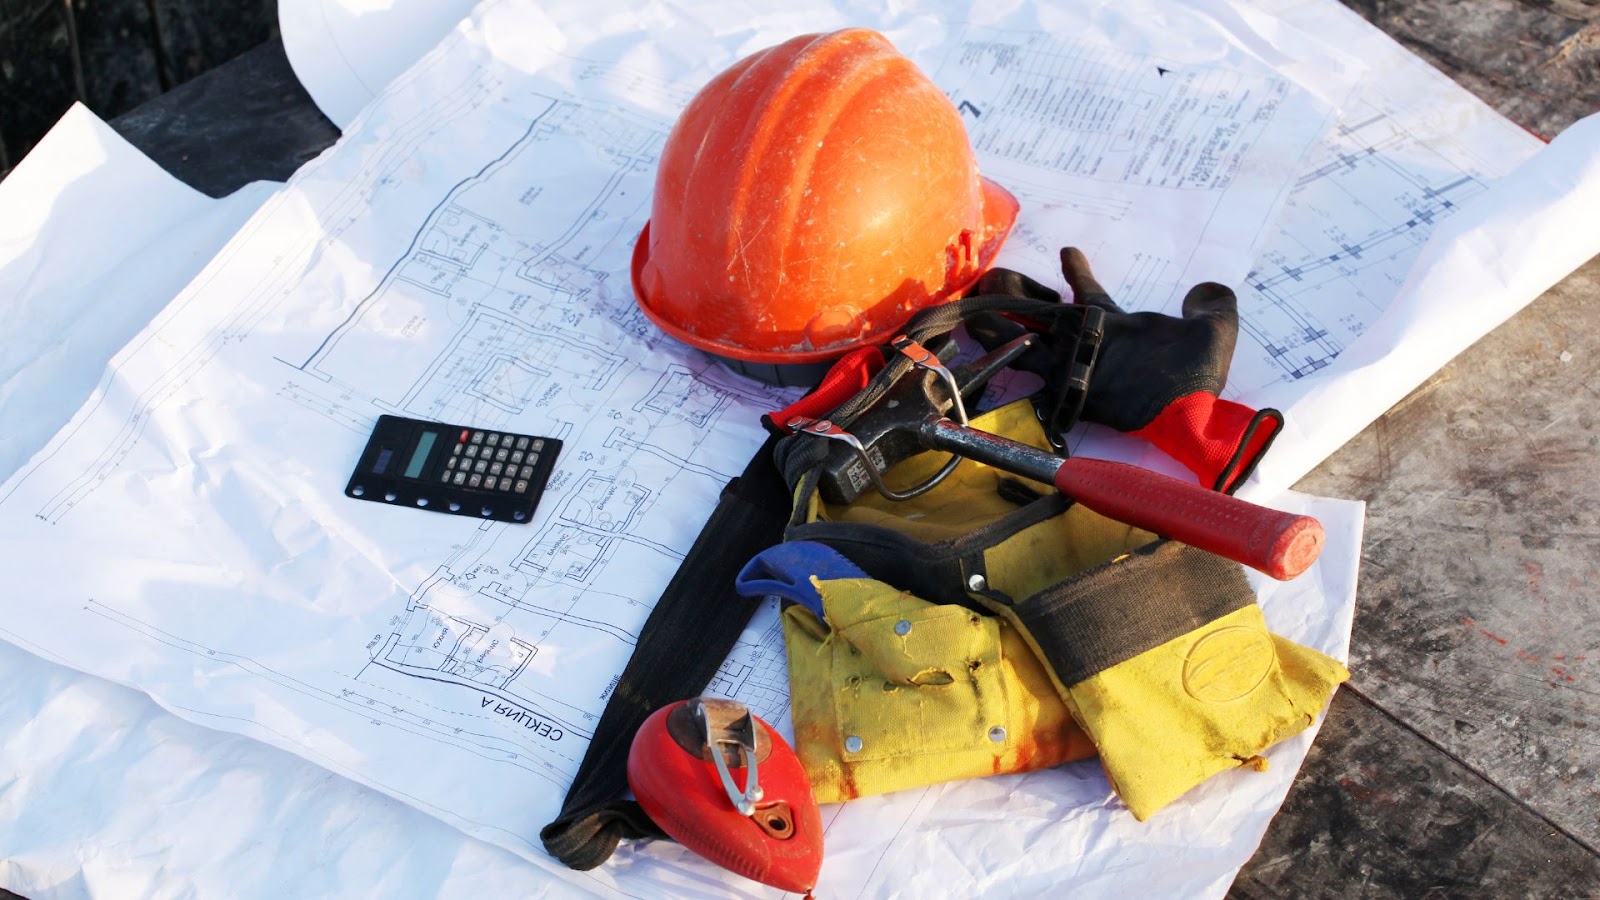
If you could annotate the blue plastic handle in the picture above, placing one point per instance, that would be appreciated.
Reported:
(786, 570)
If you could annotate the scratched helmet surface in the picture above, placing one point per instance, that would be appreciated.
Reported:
(809, 200)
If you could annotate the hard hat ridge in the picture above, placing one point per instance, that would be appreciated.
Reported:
(809, 199)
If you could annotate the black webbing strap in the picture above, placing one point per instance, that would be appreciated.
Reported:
(686, 637)
(1120, 609)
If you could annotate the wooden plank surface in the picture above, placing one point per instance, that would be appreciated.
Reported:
(1478, 625)
(1379, 812)
(1463, 761)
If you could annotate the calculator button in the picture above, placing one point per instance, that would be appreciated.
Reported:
(445, 477)
(522, 442)
(475, 481)
(481, 466)
(465, 434)
(516, 458)
(461, 478)
(494, 468)
(538, 444)
(505, 484)
(455, 450)
(451, 462)
(527, 472)
(477, 437)
(472, 450)
(522, 486)
(491, 439)
(501, 454)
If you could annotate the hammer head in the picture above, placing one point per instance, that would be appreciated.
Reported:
(887, 431)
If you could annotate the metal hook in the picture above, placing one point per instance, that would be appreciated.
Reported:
(923, 358)
(825, 428)
(743, 731)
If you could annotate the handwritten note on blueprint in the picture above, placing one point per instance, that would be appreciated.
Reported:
(462, 255)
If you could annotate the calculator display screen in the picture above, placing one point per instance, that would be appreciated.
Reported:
(420, 455)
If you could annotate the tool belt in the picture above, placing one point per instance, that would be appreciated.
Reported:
(1152, 650)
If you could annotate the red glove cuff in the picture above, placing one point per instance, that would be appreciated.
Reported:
(1219, 440)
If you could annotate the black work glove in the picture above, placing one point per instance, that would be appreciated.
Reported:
(1157, 376)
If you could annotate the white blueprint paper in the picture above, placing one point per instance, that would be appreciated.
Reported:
(105, 793)
(228, 576)
(1411, 153)
(345, 53)
(1139, 132)
(72, 296)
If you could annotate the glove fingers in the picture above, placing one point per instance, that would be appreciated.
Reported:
(1213, 300)
(992, 329)
(1085, 289)
(1217, 307)
(1013, 284)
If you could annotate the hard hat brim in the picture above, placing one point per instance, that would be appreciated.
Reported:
(1000, 209)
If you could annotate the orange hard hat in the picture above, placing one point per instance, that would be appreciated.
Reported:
(809, 200)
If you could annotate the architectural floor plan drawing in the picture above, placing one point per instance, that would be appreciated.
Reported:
(1320, 283)
(512, 326)
(496, 322)
(503, 302)
(1109, 115)
(1407, 155)
(462, 255)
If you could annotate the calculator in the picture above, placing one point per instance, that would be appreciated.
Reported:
(454, 469)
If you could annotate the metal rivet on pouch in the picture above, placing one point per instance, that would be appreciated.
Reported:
(997, 734)
(902, 628)
(977, 582)
(852, 744)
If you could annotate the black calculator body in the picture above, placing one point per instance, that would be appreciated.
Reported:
(454, 469)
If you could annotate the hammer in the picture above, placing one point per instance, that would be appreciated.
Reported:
(909, 419)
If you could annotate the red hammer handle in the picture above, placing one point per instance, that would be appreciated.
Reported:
(1278, 543)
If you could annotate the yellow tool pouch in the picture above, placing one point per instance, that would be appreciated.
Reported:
(1156, 649)
(890, 691)
(1164, 659)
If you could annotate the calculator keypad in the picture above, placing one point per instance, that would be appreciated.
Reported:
(497, 461)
